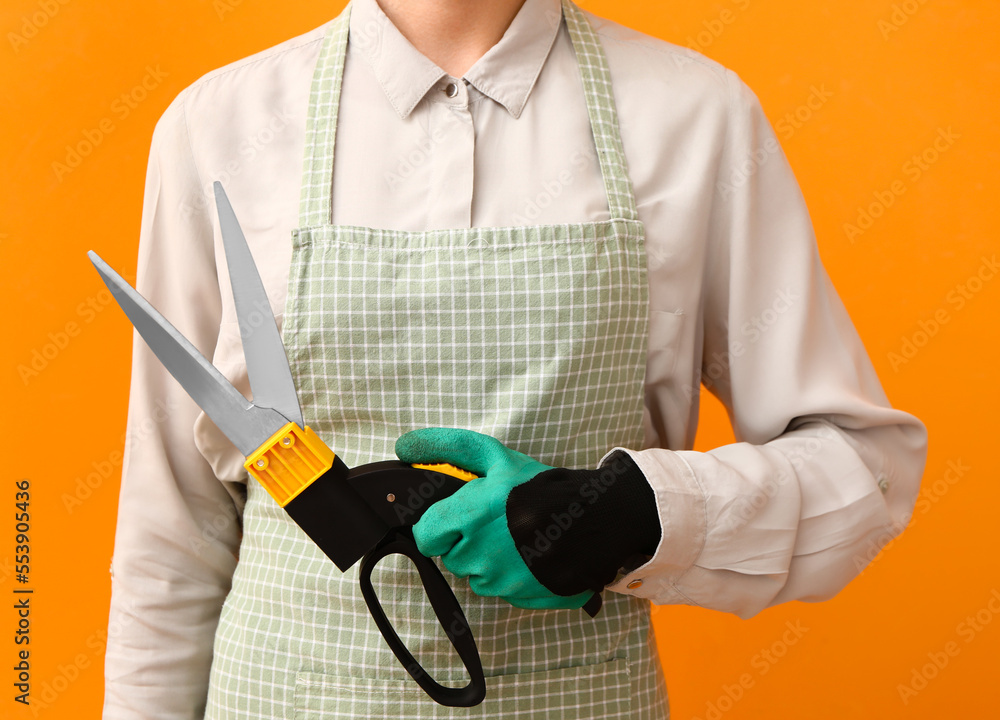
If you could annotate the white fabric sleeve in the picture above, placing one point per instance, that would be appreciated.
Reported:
(824, 471)
(178, 527)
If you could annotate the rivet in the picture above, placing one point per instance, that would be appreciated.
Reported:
(635, 584)
(390, 497)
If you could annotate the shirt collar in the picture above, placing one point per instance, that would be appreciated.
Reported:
(506, 73)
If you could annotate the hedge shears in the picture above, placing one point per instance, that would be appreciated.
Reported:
(365, 513)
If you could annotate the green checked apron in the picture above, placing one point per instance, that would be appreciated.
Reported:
(535, 335)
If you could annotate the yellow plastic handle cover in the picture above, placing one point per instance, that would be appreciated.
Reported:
(448, 470)
(289, 461)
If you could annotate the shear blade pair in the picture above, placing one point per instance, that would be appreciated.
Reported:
(275, 403)
(349, 513)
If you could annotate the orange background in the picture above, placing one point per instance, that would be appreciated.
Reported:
(898, 72)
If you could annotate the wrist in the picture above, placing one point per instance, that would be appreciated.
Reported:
(574, 529)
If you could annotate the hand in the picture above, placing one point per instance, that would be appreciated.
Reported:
(469, 529)
(534, 535)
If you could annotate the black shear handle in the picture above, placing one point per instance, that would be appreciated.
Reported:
(449, 613)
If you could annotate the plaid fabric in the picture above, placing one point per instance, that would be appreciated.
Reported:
(535, 335)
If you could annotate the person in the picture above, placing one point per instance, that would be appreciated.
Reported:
(517, 236)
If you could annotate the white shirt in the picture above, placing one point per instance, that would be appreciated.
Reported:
(823, 470)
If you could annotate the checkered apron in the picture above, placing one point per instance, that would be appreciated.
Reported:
(535, 335)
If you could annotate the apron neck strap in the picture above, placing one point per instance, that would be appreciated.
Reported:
(315, 205)
(315, 202)
(603, 112)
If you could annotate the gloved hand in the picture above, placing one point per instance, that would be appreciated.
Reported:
(533, 535)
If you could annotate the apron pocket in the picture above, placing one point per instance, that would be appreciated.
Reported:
(587, 692)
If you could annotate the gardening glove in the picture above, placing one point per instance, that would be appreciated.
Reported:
(533, 535)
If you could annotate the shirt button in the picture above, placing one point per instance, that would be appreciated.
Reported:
(634, 585)
(451, 90)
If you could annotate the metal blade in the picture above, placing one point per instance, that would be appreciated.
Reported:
(267, 365)
(244, 424)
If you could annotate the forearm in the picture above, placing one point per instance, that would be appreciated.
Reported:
(748, 526)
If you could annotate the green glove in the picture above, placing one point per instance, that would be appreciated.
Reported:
(469, 529)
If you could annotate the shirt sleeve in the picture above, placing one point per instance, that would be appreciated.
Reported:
(824, 470)
(178, 528)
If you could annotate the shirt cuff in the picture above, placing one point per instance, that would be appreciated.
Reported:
(681, 506)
